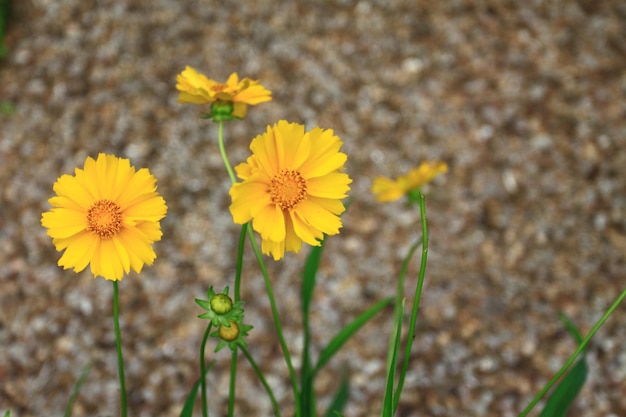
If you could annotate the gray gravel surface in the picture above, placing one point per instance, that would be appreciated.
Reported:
(524, 100)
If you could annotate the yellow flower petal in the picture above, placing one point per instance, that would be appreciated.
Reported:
(196, 88)
(385, 189)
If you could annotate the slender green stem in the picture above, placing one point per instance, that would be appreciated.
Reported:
(233, 378)
(416, 301)
(574, 355)
(220, 140)
(205, 409)
(118, 343)
(279, 330)
(256, 368)
(242, 241)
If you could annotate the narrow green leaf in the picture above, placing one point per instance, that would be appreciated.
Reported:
(565, 393)
(7, 414)
(341, 397)
(569, 325)
(187, 410)
(309, 274)
(79, 383)
(392, 361)
(267, 387)
(344, 335)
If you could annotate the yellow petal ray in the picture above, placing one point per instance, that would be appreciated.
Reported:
(128, 239)
(324, 166)
(78, 254)
(139, 248)
(247, 198)
(122, 254)
(66, 219)
(151, 230)
(105, 262)
(332, 205)
(151, 207)
(68, 203)
(69, 187)
(292, 242)
(303, 230)
(141, 183)
(276, 249)
(385, 190)
(333, 185)
(318, 218)
(264, 151)
(270, 223)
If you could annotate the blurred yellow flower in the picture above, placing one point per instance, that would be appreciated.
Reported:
(385, 189)
(106, 215)
(291, 187)
(196, 88)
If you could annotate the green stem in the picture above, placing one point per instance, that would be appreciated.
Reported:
(118, 343)
(279, 330)
(256, 368)
(220, 140)
(416, 302)
(233, 378)
(242, 241)
(205, 409)
(574, 355)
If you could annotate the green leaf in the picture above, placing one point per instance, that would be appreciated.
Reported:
(7, 414)
(309, 274)
(565, 393)
(341, 397)
(79, 383)
(344, 335)
(569, 325)
(392, 361)
(187, 410)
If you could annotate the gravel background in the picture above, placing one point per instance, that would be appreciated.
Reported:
(523, 100)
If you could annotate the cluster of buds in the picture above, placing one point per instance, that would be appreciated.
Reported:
(227, 316)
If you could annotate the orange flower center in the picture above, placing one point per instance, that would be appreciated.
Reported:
(287, 189)
(104, 218)
(218, 88)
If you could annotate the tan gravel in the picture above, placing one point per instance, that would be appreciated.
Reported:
(524, 100)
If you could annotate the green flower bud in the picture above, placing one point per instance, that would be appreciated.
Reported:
(221, 303)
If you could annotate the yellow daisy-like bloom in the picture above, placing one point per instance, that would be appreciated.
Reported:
(385, 189)
(106, 215)
(196, 88)
(291, 187)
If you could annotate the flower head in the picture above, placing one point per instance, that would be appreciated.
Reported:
(107, 216)
(291, 187)
(385, 189)
(232, 334)
(229, 99)
(220, 308)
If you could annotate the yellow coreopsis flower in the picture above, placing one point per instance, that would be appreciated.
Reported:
(291, 188)
(196, 88)
(385, 189)
(107, 216)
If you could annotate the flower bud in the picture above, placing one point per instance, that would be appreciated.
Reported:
(229, 333)
(221, 303)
